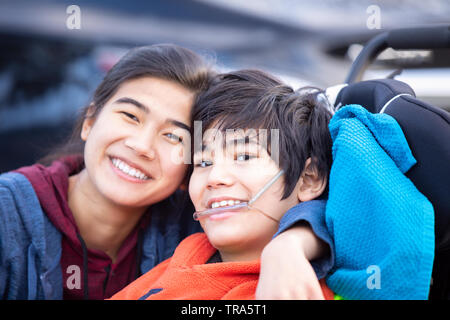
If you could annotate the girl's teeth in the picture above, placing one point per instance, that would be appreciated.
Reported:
(122, 166)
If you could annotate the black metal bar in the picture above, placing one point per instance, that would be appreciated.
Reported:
(433, 37)
(370, 51)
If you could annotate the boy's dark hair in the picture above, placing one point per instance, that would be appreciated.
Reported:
(163, 61)
(252, 99)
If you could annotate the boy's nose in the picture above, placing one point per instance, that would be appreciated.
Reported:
(220, 176)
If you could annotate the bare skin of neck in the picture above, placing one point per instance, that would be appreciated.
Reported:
(103, 225)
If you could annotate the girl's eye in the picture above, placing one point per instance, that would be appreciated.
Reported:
(174, 137)
(130, 115)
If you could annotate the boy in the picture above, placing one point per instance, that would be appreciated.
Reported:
(254, 128)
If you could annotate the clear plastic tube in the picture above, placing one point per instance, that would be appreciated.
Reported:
(202, 214)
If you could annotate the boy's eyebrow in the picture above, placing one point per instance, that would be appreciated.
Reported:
(147, 111)
(245, 140)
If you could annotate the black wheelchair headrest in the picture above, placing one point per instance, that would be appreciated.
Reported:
(427, 130)
(372, 94)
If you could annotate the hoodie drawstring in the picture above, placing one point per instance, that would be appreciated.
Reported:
(139, 253)
(85, 262)
(85, 268)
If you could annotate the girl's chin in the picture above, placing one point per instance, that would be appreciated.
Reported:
(122, 197)
(126, 197)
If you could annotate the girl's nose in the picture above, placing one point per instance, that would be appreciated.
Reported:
(143, 145)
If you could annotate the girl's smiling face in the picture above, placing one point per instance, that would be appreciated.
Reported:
(135, 145)
(226, 173)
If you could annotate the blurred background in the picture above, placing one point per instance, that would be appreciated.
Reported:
(48, 70)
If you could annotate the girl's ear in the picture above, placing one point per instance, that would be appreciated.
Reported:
(311, 185)
(88, 122)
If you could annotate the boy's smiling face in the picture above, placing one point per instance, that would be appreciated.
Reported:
(232, 169)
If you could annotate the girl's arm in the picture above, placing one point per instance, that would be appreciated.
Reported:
(299, 254)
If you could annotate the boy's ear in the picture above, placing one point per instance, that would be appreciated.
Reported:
(87, 123)
(311, 185)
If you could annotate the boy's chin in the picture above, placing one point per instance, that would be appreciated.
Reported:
(228, 241)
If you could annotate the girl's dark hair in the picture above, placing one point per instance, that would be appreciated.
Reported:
(164, 61)
(252, 99)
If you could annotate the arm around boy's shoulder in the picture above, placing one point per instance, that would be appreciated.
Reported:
(26, 237)
(296, 257)
(313, 213)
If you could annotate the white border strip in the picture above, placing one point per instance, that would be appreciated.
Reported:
(390, 101)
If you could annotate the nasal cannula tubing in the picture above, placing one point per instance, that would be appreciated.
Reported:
(200, 214)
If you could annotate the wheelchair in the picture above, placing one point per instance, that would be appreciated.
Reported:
(426, 128)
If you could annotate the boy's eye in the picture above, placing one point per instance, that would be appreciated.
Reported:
(174, 137)
(130, 115)
(203, 164)
(244, 157)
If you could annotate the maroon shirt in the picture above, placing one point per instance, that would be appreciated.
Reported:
(104, 278)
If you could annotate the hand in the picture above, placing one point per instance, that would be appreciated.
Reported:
(286, 273)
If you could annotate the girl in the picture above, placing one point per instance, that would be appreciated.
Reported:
(110, 207)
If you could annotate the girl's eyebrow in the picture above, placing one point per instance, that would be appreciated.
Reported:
(133, 102)
(179, 124)
(147, 111)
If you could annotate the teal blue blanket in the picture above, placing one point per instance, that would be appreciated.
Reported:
(383, 227)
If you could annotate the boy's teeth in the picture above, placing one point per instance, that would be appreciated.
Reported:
(133, 172)
(224, 203)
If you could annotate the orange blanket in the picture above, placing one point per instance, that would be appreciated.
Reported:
(187, 276)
